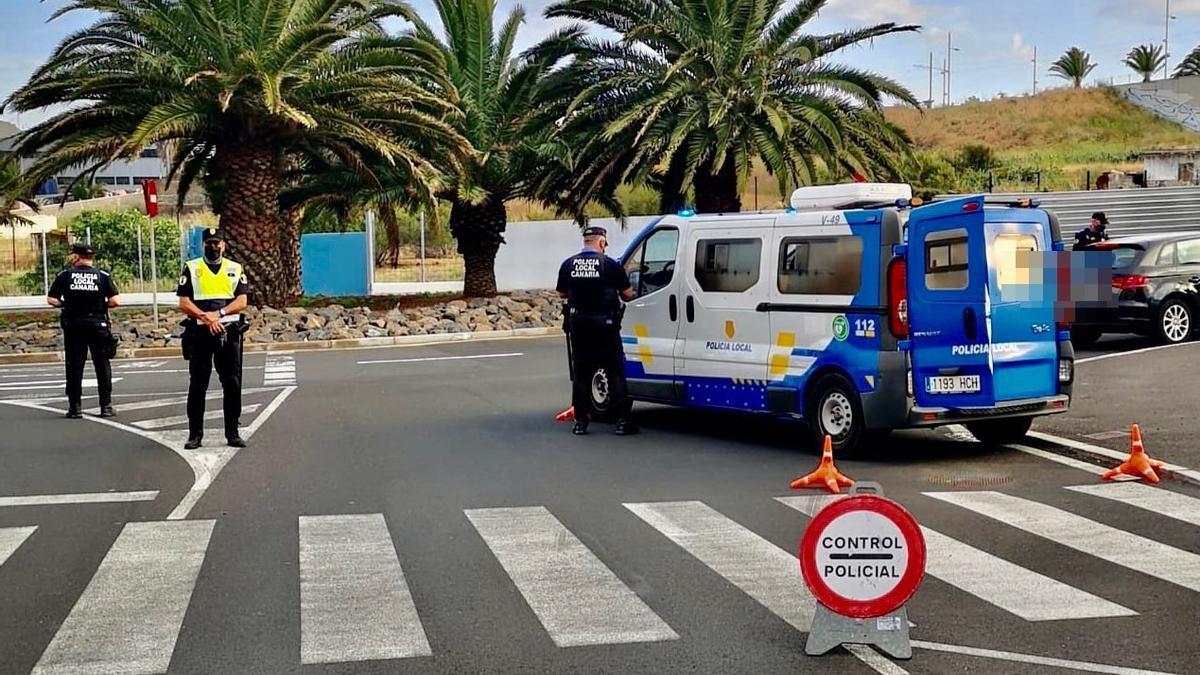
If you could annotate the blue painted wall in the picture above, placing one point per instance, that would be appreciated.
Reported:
(334, 264)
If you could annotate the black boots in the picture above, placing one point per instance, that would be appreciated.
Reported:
(107, 411)
(74, 413)
(193, 442)
(235, 442)
(626, 427)
(580, 428)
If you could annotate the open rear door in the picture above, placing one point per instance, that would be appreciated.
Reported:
(949, 305)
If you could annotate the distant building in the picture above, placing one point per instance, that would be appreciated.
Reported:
(1172, 167)
(123, 174)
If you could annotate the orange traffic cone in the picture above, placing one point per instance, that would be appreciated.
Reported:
(1139, 463)
(826, 473)
(567, 415)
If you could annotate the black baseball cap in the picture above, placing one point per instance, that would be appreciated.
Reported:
(83, 249)
(595, 232)
(1099, 215)
(212, 234)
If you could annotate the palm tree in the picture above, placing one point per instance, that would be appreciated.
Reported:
(1190, 65)
(1146, 60)
(496, 91)
(241, 90)
(14, 193)
(694, 92)
(1075, 65)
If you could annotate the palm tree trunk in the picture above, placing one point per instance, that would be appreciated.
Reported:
(390, 256)
(718, 193)
(248, 174)
(479, 229)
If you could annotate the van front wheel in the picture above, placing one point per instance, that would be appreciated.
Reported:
(1000, 432)
(834, 410)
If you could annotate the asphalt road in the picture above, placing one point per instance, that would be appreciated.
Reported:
(415, 510)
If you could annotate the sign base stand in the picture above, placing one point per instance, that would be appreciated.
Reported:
(888, 632)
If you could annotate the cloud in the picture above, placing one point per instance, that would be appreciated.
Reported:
(879, 11)
(1019, 49)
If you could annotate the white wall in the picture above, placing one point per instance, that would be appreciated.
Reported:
(534, 251)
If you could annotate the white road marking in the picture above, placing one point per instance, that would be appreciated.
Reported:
(48, 384)
(1084, 666)
(1109, 453)
(444, 358)
(878, 662)
(177, 371)
(355, 604)
(1015, 589)
(1156, 500)
(140, 365)
(1114, 355)
(578, 599)
(1066, 461)
(176, 420)
(1087, 536)
(11, 539)
(1108, 435)
(80, 498)
(58, 372)
(129, 616)
(279, 370)
(759, 568)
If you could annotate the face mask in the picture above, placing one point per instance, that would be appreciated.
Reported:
(212, 253)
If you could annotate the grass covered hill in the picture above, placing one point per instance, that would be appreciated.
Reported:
(1062, 133)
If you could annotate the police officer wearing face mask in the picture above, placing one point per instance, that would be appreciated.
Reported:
(85, 295)
(594, 286)
(212, 293)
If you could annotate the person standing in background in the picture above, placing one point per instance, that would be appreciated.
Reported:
(85, 295)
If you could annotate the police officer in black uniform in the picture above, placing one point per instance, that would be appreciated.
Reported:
(1094, 233)
(85, 295)
(212, 293)
(594, 286)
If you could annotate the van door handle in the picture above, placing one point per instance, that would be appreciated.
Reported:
(673, 306)
(969, 326)
(691, 310)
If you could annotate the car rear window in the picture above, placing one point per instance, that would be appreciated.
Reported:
(1123, 256)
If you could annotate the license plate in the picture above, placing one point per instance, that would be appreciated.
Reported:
(954, 384)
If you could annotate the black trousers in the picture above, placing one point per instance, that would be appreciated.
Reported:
(210, 350)
(596, 343)
(77, 342)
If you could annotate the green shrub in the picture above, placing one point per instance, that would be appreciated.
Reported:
(975, 157)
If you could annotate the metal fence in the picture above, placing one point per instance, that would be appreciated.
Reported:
(1129, 211)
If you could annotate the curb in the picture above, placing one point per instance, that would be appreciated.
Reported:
(314, 345)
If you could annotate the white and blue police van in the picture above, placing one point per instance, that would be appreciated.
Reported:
(858, 310)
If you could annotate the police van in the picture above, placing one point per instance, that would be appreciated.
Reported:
(858, 310)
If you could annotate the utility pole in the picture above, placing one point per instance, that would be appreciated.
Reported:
(1035, 70)
(1167, 41)
(945, 86)
(932, 69)
(949, 49)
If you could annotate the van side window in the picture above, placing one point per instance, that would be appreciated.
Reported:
(1012, 260)
(946, 266)
(1166, 257)
(1189, 252)
(728, 265)
(652, 265)
(826, 266)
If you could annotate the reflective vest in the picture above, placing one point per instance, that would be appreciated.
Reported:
(219, 285)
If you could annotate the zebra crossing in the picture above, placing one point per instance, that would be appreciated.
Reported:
(356, 601)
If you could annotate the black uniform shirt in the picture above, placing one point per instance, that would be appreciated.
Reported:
(593, 282)
(185, 289)
(84, 291)
(1087, 236)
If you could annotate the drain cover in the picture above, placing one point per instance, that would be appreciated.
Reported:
(972, 480)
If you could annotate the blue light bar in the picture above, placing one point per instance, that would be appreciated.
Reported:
(685, 213)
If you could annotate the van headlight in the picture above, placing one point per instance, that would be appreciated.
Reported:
(1066, 370)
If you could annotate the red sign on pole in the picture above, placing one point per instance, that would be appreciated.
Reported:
(150, 193)
(863, 556)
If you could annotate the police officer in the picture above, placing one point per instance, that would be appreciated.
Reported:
(85, 295)
(594, 285)
(212, 293)
(1095, 232)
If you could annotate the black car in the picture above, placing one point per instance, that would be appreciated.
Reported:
(1156, 289)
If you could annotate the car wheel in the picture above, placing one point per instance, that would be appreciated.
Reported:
(835, 410)
(999, 432)
(602, 409)
(1175, 324)
(1083, 337)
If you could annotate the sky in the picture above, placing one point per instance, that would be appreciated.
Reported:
(995, 41)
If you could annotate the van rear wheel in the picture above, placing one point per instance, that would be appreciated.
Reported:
(1000, 432)
(835, 410)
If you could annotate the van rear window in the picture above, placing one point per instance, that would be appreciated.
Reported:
(728, 265)
(825, 266)
(946, 260)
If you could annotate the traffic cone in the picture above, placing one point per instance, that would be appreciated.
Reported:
(826, 473)
(1139, 463)
(567, 415)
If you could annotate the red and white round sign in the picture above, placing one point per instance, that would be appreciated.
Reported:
(863, 556)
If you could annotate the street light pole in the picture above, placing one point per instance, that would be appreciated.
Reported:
(949, 49)
(1167, 41)
(1035, 70)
